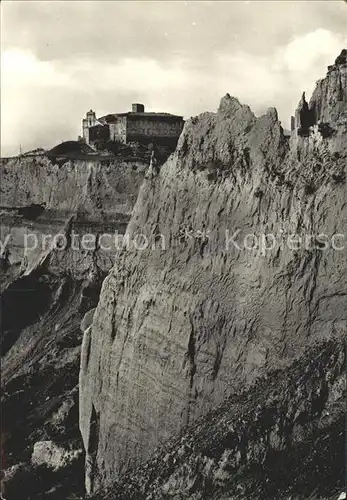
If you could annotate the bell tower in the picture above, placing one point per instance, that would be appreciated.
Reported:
(87, 122)
(91, 118)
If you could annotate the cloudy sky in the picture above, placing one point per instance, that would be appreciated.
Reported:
(59, 59)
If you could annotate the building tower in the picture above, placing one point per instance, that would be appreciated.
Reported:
(138, 108)
(87, 122)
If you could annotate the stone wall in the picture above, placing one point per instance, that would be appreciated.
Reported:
(99, 133)
(153, 127)
(118, 129)
(164, 130)
(85, 130)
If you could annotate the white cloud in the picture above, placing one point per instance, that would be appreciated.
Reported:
(279, 79)
(24, 82)
(20, 68)
(306, 51)
(128, 74)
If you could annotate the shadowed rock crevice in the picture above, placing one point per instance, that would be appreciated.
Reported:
(306, 117)
(93, 442)
(23, 303)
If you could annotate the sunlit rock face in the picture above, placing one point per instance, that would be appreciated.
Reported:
(222, 293)
(53, 456)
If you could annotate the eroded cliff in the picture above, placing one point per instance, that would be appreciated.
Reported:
(48, 285)
(40, 194)
(243, 271)
(281, 439)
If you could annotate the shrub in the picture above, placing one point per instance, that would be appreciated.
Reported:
(339, 178)
(325, 130)
(258, 193)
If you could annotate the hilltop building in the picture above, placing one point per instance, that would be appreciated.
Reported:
(133, 126)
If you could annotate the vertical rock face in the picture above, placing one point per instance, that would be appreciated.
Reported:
(329, 98)
(221, 294)
(325, 116)
(280, 439)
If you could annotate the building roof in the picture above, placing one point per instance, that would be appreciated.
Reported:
(131, 114)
